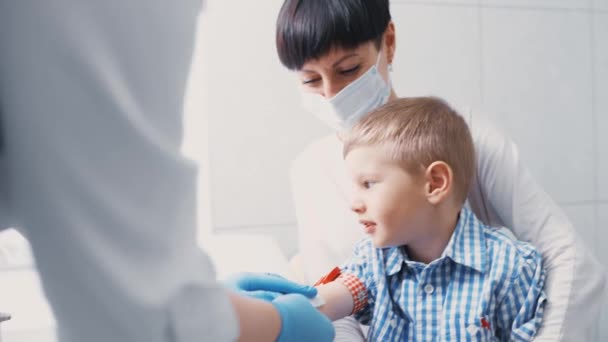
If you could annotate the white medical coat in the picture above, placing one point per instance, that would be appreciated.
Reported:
(503, 194)
(91, 97)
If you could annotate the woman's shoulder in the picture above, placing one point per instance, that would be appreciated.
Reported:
(487, 138)
(494, 150)
(486, 134)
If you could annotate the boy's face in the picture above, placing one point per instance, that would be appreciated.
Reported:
(390, 202)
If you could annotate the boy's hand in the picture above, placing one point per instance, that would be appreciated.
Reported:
(266, 286)
(300, 321)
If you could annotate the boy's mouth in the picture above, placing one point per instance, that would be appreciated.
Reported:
(368, 226)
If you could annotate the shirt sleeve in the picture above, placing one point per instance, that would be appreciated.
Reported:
(520, 312)
(92, 127)
(358, 271)
(504, 193)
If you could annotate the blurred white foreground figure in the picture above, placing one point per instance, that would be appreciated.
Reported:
(91, 99)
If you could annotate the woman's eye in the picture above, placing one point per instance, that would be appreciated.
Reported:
(311, 81)
(350, 71)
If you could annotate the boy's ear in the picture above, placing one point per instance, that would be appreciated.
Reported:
(438, 177)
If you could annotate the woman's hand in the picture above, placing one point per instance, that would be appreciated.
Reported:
(266, 286)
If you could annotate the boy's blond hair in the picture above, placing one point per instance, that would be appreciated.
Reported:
(418, 131)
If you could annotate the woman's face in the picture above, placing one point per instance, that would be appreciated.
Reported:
(330, 73)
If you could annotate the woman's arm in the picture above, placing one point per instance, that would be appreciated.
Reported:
(505, 193)
(348, 329)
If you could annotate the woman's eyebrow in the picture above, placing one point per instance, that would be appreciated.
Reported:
(335, 63)
(343, 58)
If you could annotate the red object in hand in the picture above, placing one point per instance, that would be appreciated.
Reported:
(485, 324)
(329, 277)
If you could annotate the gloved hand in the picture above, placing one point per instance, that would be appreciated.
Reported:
(266, 286)
(300, 321)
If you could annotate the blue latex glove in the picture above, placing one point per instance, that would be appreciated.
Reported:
(266, 286)
(300, 321)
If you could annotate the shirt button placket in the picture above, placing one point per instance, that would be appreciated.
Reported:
(429, 289)
(472, 329)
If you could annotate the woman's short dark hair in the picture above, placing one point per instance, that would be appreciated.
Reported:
(308, 29)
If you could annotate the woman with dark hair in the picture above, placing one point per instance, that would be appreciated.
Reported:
(342, 51)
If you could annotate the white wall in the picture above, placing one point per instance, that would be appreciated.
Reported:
(537, 68)
(246, 104)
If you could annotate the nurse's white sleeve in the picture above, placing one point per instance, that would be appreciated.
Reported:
(505, 193)
(91, 98)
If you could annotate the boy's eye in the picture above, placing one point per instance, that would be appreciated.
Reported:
(368, 184)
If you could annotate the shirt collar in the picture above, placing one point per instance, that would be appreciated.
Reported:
(468, 242)
(466, 246)
(394, 257)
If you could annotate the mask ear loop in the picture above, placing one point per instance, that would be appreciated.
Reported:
(390, 65)
(378, 58)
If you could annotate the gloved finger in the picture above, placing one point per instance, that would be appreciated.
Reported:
(279, 284)
(267, 282)
(242, 281)
(263, 295)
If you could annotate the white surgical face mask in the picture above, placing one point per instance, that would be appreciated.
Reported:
(360, 97)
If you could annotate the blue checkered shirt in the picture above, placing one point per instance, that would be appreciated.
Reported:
(486, 286)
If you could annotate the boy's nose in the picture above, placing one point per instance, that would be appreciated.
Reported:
(357, 206)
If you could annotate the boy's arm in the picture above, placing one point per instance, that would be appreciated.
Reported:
(338, 300)
(352, 293)
(521, 309)
(345, 296)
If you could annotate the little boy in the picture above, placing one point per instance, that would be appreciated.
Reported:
(429, 270)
